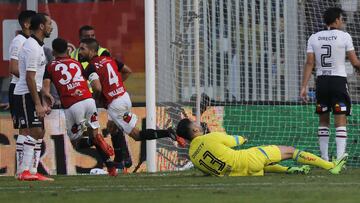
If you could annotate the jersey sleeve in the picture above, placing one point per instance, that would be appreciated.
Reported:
(14, 49)
(46, 73)
(32, 58)
(90, 73)
(310, 48)
(349, 46)
(229, 140)
(119, 64)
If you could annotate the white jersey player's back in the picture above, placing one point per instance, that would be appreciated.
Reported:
(330, 47)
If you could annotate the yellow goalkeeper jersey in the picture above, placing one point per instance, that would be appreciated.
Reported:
(213, 154)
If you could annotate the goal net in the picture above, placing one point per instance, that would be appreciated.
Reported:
(251, 56)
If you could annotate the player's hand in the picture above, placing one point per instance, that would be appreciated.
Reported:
(303, 94)
(49, 100)
(40, 111)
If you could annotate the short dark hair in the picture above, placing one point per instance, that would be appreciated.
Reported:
(25, 16)
(37, 20)
(85, 28)
(183, 128)
(59, 45)
(331, 14)
(92, 43)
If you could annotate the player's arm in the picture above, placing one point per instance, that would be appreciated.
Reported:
(14, 67)
(230, 140)
(353, 59)
(309, 66)
(47, 97)
(93, 78)
(125, 72)
(14, 58)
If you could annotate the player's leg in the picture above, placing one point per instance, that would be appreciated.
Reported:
(303, 157)
(341, 104)
(277, 168)
(323, 108)
(323, 135)
(120, 144)
(32, 143)
(119, 111)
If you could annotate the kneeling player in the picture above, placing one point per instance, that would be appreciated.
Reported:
(80, 109)
(106, 82)
(213, 154)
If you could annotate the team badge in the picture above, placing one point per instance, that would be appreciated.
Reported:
(94, 118)
(127, 117)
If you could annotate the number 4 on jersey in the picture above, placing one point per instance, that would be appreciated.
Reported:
(113, 78)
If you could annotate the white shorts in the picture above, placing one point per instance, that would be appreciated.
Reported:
(79, 116)
(119, 112)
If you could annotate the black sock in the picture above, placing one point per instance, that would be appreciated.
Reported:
(150, 134)
(116, 142)
(105, 158)
(84, 143)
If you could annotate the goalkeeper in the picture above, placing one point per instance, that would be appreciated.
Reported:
(213, 154)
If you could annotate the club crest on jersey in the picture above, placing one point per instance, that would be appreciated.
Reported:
(94, 118)
(127, 117)
(321, 108)
(340, 107)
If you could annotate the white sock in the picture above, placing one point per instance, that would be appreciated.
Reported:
(20, 153)
(29, 145)
(341, 137)
(36, 157)
(323, 134)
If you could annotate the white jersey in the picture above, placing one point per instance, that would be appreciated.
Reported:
(14, 49)
(330, 47)
(31, 58)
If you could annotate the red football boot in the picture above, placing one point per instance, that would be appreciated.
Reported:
(112, 171)
(43, 178)
(27, 176)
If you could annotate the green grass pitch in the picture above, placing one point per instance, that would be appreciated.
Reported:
(189, 186)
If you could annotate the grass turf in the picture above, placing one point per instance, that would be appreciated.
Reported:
(189, 186)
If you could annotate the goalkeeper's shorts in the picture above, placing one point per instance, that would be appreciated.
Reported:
(259, 157)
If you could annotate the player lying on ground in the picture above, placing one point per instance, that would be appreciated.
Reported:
(76, 99)
(106, 82)
(213, 154)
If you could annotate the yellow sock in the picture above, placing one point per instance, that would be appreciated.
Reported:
(276, 168)
(311, 159)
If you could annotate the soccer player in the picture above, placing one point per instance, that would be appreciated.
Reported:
(30, 112)
(24, 19)
(119, 141)
(213, 154)
(327, 51)
(80, 109)
(105, 79)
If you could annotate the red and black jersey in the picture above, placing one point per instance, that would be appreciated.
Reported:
(67, 76)
(109, 75)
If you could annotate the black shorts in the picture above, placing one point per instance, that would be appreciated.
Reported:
(25, 113)
(332, 94)
(11, 103)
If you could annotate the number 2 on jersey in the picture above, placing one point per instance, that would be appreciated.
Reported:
(326, 56)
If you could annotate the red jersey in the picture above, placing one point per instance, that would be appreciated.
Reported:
(67, 76)
(109, 75)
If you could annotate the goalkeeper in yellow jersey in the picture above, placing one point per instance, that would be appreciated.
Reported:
(213, 154)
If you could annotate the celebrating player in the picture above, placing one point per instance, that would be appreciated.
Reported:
(119, 141)
(329, 48)
(213, 154)
(31, 112)
(80, 109)
(107, 84)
